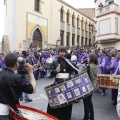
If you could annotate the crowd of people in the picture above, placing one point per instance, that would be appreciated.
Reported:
(45, 64)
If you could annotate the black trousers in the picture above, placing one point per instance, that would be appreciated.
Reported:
(62, 113)
(114, 95)
(88, 108)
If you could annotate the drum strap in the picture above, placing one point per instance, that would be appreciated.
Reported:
(71, 65)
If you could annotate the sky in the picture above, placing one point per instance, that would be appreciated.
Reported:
(1, 19)
(74, 3)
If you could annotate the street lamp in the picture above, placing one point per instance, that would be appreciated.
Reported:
(91, 27)
(58, 41)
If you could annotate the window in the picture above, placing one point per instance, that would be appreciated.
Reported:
(68, 37)
(62, 15)
(78, 22)
(116, 25)
(82, 41)
(73, 40)
(68, 16)
(86, 26)
(37, 35)
(78, 43)
(105, 26)
(37, 5)
(81, 24)
(62, 37)
(85, 41)
(90, 42)
(73, 20)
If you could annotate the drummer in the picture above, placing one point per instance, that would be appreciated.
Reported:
(61, 68)
(12, 85)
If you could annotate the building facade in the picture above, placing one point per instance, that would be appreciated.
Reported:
(108, 23)
(44, 23)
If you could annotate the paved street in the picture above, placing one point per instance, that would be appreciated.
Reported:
(104, 110)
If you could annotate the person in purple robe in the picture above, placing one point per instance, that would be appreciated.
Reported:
(109, 61)
(84, 57)
(42, 69)
(101, 67)
(2, 63)
(79, 58)
(34, 64)
(115, 67)
(47, 55)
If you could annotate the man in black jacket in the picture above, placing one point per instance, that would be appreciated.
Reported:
(12, 85)
(61, 67)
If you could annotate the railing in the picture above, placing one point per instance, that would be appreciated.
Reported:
(107, 9)
(68, 28)
(62, 25)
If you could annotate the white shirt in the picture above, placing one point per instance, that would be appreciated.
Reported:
(73, 57)
(49, 60)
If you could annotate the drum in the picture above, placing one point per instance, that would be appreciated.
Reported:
(47, 65)
(108, 81)
(72, 89)
(30, 114)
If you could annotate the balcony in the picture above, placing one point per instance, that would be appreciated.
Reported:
(68, 28)
(107, 9)
(86, 34)
(82, 33)
(73, 30)
(62, 25)
(78, 32)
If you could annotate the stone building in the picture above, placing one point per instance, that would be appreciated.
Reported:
(44, 23)
(108, 23)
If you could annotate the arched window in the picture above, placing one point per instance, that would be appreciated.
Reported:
(37, 5)
(78, 22)
(86, 26)
(62, 14)
(73, 20)
(37, 35)
(68, 16)
(82, 27)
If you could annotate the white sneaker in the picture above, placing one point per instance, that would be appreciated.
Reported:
(102, 94)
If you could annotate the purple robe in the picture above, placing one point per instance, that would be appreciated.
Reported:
(2, 64)
(101, 63)
(47, 56)
(43, 71)
(79, 58)
(56, 56)
(36, 73)
(84, 58)
(115, 65)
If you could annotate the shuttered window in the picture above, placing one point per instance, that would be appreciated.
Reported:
(37, 5)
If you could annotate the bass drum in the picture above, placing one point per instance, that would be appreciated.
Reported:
(28, 113)
(72, 89)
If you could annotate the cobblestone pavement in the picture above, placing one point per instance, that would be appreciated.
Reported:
(104, 110)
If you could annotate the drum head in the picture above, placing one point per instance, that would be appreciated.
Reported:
(31, 114)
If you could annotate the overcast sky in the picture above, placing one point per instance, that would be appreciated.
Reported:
(81, 3)
(74, 3)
